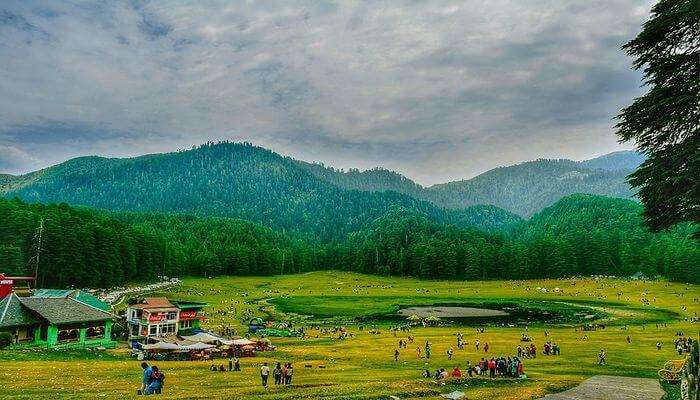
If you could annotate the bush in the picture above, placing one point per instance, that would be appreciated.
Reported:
(6, 339)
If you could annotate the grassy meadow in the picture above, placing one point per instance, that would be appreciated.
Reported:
(363, 367)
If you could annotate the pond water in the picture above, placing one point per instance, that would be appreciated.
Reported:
(451, 312)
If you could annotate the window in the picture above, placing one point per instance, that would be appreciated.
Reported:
(168, 329)
(95, 332)
(68, 335)
(172, 315)
(153, 329)
(185, 324)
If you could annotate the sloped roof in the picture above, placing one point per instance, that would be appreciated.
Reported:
(78, 295)
(12, 313)
(90, 300)
(52, 293)
(64, 310)
(186, 305)
(154, 302)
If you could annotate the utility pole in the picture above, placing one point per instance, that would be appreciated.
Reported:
(40, 233)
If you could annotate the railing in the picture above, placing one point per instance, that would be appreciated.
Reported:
(690, 380)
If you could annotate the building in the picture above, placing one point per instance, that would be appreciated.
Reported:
(17, 284)
(57, 319)
(155, 317)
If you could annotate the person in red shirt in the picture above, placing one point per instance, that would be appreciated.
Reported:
(456, 372)
(492, 368)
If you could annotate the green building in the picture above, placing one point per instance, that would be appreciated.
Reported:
(57, 319)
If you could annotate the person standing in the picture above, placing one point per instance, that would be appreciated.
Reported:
(290, 374)
(277, 374)
(146, 377)
(396, 355)
(236, 364)
(230, 364)
(264, 374)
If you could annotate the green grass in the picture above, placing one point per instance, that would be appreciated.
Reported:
(363, 367)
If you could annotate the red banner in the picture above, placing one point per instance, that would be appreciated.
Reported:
(5, 287)
(157, 317)
(188, 315)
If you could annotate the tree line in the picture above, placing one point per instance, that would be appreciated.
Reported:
(580, 235)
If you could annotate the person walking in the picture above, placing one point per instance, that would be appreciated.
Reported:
(396, 355)
(264, 374)
(601, 357)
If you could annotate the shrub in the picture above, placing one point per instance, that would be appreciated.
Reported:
(6, 339)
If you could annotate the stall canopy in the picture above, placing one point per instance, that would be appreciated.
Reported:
(243, 342)
(205, 337)
(177, 347)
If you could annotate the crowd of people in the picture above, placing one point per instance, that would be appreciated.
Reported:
(503, 367)
(683, 344)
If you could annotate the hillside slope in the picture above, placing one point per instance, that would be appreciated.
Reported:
(523, 189)
(526, 188)
(230, 180)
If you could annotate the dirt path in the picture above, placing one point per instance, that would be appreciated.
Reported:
(604, 387)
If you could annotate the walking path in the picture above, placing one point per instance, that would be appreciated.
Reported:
(115, 297)
(605, 387)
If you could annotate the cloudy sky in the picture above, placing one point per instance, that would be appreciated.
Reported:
(437, 90)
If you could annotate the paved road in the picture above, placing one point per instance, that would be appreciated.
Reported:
(604, 387)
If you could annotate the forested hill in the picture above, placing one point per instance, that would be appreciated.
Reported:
(230, 180)
(523, 189)
(526, 188)
(580, 235)
(619, 160)
(604, 236)
(377, 179)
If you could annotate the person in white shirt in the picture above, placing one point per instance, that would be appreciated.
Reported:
(264, 374)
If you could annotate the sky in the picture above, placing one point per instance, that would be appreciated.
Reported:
(436, 90)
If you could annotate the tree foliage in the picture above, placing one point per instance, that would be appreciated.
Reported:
(580, 235)
(664, 122)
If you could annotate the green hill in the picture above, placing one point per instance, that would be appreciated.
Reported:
(526, 188)
(523, 189)
(230, 180)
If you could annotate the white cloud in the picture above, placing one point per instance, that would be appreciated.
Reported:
(447, 83)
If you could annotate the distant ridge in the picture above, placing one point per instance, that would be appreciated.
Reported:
(249, 182)
(523, 189)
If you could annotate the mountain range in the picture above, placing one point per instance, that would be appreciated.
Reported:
(248, 182)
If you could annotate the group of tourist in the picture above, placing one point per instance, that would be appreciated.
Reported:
(152, 380)
(234, 364)
(282, 374)
(504, 367)
(683, 344)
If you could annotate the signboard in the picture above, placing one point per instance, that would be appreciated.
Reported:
(188, 315)
(157, 317)
(5, 286)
